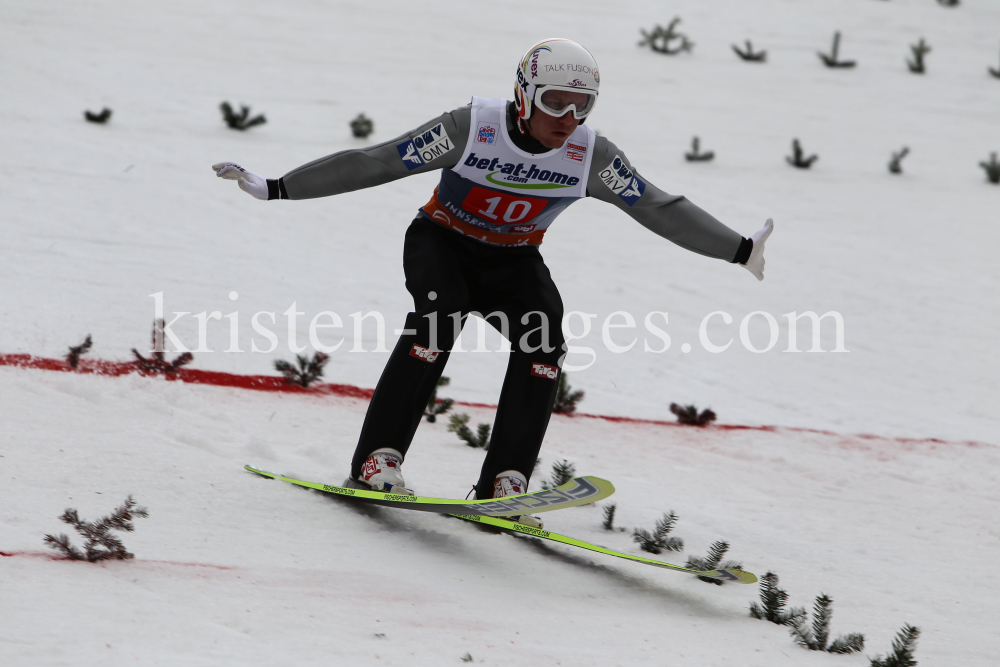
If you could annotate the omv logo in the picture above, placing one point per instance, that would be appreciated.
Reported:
(425, 147)
(622, 181)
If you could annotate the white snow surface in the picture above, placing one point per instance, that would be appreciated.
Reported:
(898, 526)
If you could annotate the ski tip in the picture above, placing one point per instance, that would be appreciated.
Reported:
(606, 488)
(258, 471)
(733, 575)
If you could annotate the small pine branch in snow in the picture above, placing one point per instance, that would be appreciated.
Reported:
(696, 155)
(816, 637)
(97, 534)
(437, 407)
(798, 158)
(660, 39)
(74, 354)
(713, 561)
(994, 72)
(894, 164)
(241, 120)
(833, 60)
(920, 49)
(467, 657)
(853, 642)
(562, 472)
(157, 362)
(362, 126)
(459, 425)
(748, 55)
(609, 516)
(689, 415)
(902, 649)
(308, 370)
(992, 168)
(566, 398)
(660, 539)
(772, 603)
(99, 118)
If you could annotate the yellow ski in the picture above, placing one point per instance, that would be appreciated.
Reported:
(577, 491)
(736, 576)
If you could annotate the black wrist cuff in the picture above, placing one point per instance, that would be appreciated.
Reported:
(276, 189)
(743, 253)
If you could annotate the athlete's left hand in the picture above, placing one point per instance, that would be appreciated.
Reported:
(250, 182)
(755, 264)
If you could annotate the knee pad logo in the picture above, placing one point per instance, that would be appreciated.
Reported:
(544, 371)
(423, 353)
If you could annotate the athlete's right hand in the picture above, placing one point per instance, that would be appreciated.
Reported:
(250, 182)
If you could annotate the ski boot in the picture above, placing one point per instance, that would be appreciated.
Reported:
(512, 483)
(381, 472)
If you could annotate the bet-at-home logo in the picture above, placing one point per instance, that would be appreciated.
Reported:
(425, 147)
(509, 175)
(622, 181)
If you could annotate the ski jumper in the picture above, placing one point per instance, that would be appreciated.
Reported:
(473, 248)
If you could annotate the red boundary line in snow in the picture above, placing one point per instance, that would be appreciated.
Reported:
(273, 383)
(189, 375)
(50, 555)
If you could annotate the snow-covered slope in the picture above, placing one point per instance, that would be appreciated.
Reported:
(94, 219)
(231, 568)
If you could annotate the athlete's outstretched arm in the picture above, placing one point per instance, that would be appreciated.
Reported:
(612, 179)
(436, 144)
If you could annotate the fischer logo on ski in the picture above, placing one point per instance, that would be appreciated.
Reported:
(401, 497)
(535, 502)
(521, 528)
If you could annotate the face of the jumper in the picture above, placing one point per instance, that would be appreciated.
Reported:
(552, 131)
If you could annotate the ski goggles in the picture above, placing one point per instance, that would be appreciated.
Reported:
(558, 100)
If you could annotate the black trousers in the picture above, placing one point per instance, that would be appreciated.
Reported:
(448, 273)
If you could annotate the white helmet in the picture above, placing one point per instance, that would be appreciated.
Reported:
(556, 65)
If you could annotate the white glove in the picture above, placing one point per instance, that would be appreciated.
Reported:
(249, 182)
(755, 264)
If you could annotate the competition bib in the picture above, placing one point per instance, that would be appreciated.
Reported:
(501, 195)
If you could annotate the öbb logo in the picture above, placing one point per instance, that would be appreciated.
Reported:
(623, 172)
(430, 136)
(544, 371)
(423, 353)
